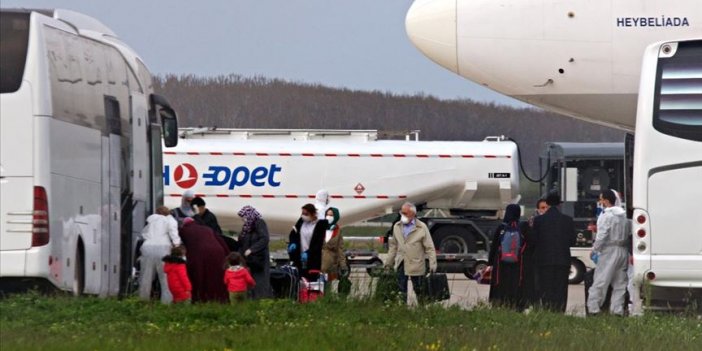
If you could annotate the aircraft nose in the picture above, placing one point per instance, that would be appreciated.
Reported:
(431, 26)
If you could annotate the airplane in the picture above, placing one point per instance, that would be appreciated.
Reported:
(580, 58)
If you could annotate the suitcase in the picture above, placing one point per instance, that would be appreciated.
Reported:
(434, 288)
(285, 282)
(312, 290)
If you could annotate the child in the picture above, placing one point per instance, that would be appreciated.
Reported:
(237, 278)
(178, 282)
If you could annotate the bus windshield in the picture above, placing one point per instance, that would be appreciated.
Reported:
(14, 37)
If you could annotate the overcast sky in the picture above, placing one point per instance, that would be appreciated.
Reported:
(358, 44)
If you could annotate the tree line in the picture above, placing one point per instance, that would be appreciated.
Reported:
(234, 101)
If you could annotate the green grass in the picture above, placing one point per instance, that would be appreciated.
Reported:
(32, 322)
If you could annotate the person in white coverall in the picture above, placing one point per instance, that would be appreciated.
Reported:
(160, 235)
(611, 243)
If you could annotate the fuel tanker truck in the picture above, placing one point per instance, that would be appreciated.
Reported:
(464, 185)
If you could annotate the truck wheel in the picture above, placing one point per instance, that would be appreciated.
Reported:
(479, 266)
(454, 239)
(577, 272)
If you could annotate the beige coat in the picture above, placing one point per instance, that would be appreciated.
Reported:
(413, 251)
(333, 257)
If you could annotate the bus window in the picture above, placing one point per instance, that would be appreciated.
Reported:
(678, 99)
(14, 31)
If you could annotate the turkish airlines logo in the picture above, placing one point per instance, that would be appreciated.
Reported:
(185, 176)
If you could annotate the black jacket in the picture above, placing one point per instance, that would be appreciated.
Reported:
(552, 236)
(314, 253)
(257, 242)
(209, 219)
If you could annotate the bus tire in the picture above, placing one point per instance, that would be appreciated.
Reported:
(79, 270)
(577, 271)
(454, 239)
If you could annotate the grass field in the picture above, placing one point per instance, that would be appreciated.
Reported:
(33, 322)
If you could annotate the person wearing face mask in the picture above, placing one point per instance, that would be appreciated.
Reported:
(612, 244)
(410, 245)
(333, 257)
(306, 241)
(185, 210)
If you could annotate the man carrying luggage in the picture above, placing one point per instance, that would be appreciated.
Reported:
(410, 245)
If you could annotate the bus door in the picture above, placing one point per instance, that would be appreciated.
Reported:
(112, 199)
(138, 207)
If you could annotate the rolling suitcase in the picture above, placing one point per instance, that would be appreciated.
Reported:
(285, 282)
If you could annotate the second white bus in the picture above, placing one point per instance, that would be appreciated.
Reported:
(667, 179)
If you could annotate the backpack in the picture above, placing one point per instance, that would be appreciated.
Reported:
(511, 244)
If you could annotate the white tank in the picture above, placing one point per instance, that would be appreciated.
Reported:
(278, 171)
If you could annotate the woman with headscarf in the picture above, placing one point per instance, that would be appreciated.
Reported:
(333, 257)
(253, 245)
(186, 209)
(206, 255)
(506, 253)
(306, 240)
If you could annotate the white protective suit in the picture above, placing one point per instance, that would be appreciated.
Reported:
(612, 243)
(160, 234)
(321, 203)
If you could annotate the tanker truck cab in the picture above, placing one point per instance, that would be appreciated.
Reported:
(580, 171)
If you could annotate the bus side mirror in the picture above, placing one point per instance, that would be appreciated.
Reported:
(168, 118)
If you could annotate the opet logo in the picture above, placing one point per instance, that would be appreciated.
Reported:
(184, 176)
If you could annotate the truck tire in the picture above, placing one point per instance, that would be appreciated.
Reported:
(453, 239)
(479, 266)
(577, 271)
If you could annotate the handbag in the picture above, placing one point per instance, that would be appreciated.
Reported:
(434, 288)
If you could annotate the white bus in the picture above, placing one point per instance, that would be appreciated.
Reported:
(667, 180)
(81, 143)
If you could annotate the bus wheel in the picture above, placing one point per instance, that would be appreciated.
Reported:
(79, 270)
(454, 239)
(577, 272)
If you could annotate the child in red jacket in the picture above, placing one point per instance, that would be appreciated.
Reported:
(237, 278)
(177, 275)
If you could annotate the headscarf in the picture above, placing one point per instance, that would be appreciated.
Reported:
(333, 224)
(250, 216)
(512, 213)
(185, 206)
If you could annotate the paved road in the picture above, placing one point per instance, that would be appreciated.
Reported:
(468, 293)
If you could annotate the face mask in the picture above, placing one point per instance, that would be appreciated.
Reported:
(404, 219)
(306, 218)
(330, 219)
